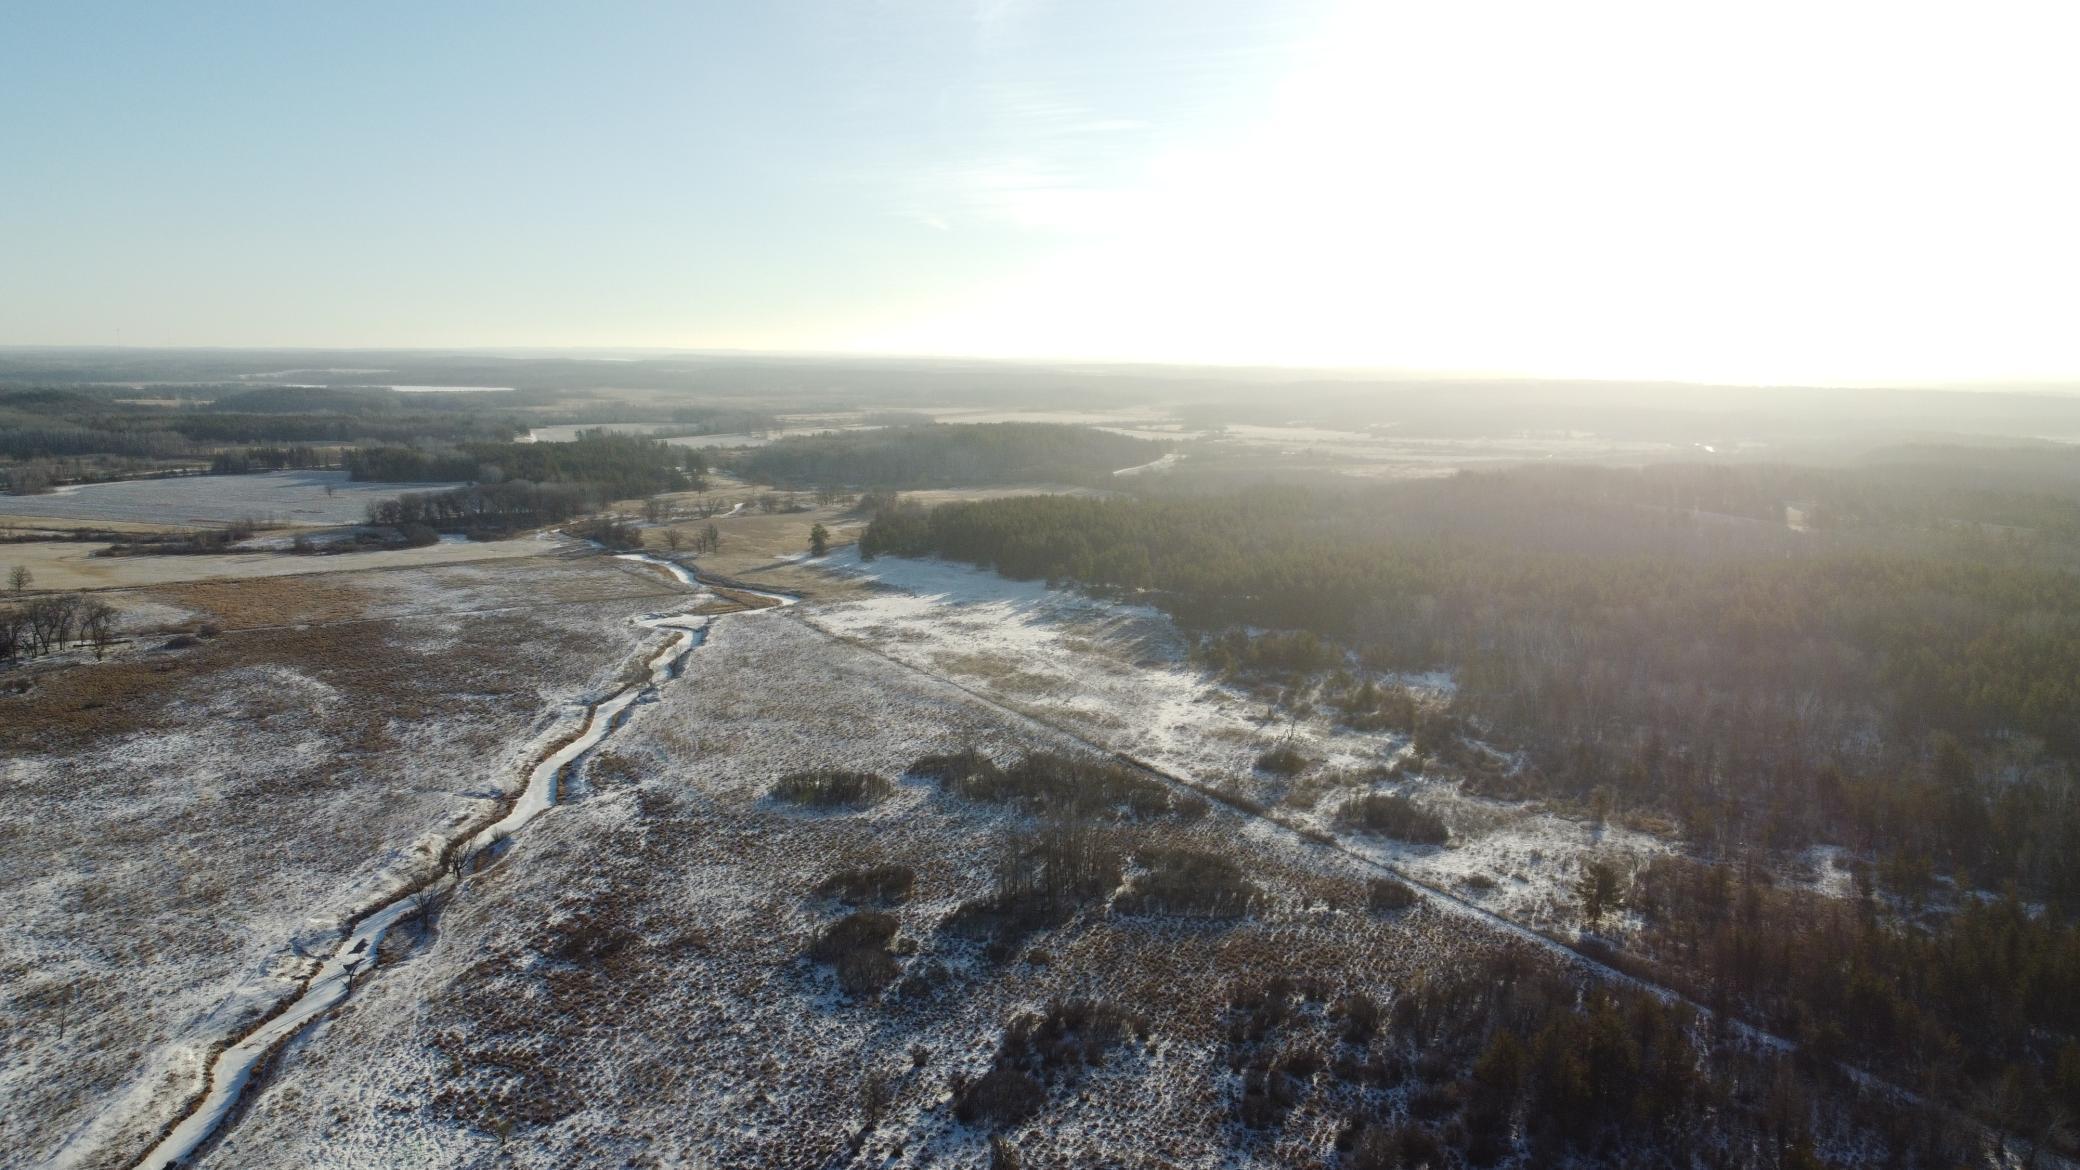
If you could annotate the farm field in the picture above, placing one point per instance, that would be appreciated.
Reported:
(308, 498)
(73, 565)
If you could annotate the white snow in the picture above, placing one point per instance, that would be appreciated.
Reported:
(1118, 675)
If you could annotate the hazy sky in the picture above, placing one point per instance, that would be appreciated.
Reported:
(1741, 191)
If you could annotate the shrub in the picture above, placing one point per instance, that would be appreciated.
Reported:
(1000, 1098)
(1391, 1147)
(829, 788)
(1283, 760)
(856, 946)
(1394, 815)
(614, 767)
(955, 769)
(1188, 883)
(1066, 865)
(613, 534)
(1075, 786)
(886, 884)
(1387, 894)
(1361, 1017)
(1069, 1036)
(1268, 1092)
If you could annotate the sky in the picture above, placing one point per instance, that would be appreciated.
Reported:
(1806, 192)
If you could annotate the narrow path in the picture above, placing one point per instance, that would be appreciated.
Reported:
(236, 1065)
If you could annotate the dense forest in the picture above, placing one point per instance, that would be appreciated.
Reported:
(940, 456)
(1980, 1007)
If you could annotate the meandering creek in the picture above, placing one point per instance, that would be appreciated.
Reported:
(233, 1069)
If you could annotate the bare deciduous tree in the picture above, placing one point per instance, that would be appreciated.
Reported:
(97, 626)
(52, 621)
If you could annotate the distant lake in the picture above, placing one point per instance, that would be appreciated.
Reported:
(288, 497)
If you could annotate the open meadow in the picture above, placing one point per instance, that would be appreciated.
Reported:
(190, 820)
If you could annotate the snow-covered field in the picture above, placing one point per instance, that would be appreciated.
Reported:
(286, 497)
(184, 828)
(66, 564)
(1117, 675)
(629, 985)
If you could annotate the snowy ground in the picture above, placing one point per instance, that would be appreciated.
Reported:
(1117, 675)
(179, 825)
(628, 986)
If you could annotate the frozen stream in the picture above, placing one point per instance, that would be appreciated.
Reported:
(233, 1068)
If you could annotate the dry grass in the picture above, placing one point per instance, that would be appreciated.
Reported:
(998, 672)
(191, 810)
(271, 601)
(66, 707)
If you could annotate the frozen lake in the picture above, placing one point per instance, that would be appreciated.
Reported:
(289, 497)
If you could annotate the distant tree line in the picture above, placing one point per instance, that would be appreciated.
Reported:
(48, 623)
(1768, 699)
(616, 466)
(59, 422)
(946, 455)
(487, 509)
(247, 460)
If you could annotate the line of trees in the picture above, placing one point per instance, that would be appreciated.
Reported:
(938, 455)
(487, 508)
(31, 627)
(617, 466)
(247, 460)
